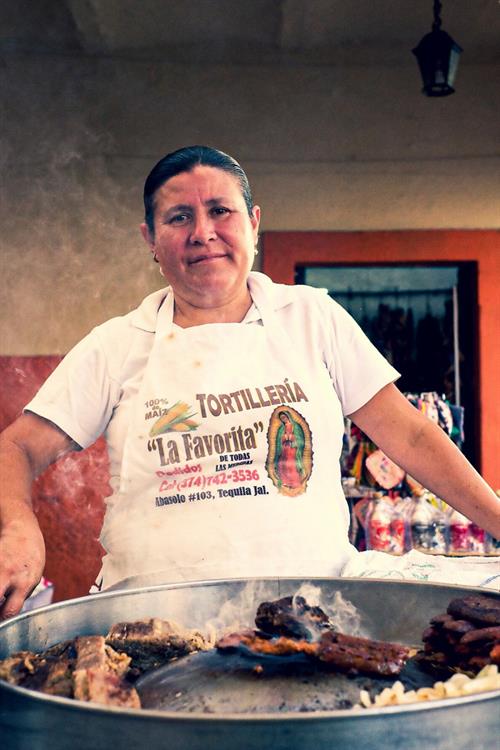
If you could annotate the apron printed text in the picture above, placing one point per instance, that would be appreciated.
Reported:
(250, 398)
(237, 439)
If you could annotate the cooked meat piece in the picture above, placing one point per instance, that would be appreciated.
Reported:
(495, 654)
(430, 657)
(437, 639)
(151, 643)
(97, 676)
(431, 634)
(463, 637)
(48, 672)
(458, 627)
(108, 689)
(441, 619)
(90, 653)
(336, 651)
(291, 616)
(117, 662)
(233, 641)
(476, 608)
(16, 667)
(349, 653)
(475, 663)
(85, 669)
(280, 646)
(481, 638)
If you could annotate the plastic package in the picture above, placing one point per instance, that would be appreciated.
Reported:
(460, 534)
(492, 545)
(428, 526)
(385, 526)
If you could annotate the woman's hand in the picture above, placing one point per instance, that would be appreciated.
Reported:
(27, 447)
(22, 560)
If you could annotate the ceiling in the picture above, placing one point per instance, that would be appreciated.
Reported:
(319, 32)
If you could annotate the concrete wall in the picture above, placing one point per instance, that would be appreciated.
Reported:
(325, 148)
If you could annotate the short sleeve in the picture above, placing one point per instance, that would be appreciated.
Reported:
(79, 396)
(358, 370)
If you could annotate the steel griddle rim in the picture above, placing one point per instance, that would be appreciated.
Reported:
(177, 716)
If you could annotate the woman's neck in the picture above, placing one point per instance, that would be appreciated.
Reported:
(187, 315)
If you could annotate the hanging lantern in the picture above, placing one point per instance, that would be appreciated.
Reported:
(437, 56)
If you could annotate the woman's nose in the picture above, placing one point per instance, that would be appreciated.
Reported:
(203, 230)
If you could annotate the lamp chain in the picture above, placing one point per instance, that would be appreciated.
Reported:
(437, 18)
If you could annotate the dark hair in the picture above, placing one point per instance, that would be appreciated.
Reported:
(184, 160)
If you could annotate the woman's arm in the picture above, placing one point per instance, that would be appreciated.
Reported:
(423, 449)
(27, 447)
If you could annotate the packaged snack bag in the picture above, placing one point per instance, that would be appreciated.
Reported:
(378, 525)
(460, 534)
(383, 470)
(428, 527)
(385, 526)
(478, 542)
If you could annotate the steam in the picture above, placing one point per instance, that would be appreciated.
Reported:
(342, 614)
(238, 613)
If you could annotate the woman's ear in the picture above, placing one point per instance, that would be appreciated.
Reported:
(255, 221)
(148, 237)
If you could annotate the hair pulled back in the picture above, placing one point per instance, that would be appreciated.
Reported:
(184, 160)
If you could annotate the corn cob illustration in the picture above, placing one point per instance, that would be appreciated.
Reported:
(187, 424)
(176, 419)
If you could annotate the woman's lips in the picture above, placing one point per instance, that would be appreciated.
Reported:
(202, 259)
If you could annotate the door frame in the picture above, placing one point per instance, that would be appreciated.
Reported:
(283, 252)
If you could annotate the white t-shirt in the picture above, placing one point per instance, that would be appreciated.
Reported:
(101, 386)
(91, 391)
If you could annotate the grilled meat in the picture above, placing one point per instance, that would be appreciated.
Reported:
(98, 674)
(252, 643)
(495, 654)
(151, 643)
(289, 627)
(15, 668)
(48, 672)
(483, 637)
(348, 653)
(84, 668)
(292, 617)
(98, 669)
(333, 651)
(466, 637)
(484, 610)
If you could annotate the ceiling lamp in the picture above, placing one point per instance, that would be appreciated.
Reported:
(437, 56)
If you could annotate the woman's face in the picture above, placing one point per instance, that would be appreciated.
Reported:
(204, 238)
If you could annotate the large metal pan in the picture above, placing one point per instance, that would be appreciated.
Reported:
(391, 610)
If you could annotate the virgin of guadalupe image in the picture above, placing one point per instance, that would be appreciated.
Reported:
(289, 459)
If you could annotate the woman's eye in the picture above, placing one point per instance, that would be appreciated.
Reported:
(178, 219)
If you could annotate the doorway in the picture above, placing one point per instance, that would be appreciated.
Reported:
(284, 252)
(422, 318)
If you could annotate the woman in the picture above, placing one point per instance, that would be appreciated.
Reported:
(185, 388)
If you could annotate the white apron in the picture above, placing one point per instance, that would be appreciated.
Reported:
(231, 461)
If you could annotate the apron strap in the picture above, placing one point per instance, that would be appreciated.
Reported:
(261, 299)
